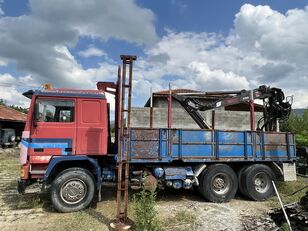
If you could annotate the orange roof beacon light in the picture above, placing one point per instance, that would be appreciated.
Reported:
(47, 86)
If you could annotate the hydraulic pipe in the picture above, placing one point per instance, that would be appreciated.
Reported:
(170, 107)
(213, 119)
(151, 109)
(252, 112)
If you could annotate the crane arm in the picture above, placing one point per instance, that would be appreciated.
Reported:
(275, 105)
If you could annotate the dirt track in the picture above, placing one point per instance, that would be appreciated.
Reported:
(30, 212)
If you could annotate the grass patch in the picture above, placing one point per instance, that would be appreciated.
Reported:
(285, 227)
(181, 221)
(287, 188)
(29, 201)
(83, 220)
(9, 162)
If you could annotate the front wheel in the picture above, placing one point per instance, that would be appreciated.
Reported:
(218, 183)
(72, 190)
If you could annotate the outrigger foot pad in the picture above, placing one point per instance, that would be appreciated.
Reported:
(121, 224)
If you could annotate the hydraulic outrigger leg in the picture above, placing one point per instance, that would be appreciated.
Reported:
(122, 222)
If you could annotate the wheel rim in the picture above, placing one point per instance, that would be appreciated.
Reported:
(73, 191)
(261, 182)
(221, 183)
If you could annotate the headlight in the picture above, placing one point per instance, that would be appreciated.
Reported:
(12, 138)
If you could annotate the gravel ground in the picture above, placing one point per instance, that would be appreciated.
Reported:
(31, 212)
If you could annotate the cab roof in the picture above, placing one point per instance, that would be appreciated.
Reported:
(66, 93)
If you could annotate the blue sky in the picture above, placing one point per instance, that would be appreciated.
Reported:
(204, 45)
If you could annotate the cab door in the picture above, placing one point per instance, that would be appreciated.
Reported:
(92, 129)
(54, 128)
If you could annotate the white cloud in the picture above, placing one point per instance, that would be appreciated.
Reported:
(92, 51)
(3, 62)
(39, 42)
(1, 11)
(6, 79)
(272, 34)
(99, 18)
(263, 47)
(9, 89)
(210, 79)
(11, 95)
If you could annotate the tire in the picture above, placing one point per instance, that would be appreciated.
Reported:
(218, 183)
(256, 181)
(65, 196)
(241, 187)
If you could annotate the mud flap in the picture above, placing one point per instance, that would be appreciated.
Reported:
(21, 186)
(100, 193)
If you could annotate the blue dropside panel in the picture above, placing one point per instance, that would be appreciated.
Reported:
(166, 145)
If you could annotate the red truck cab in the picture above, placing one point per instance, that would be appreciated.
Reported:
(62, 122)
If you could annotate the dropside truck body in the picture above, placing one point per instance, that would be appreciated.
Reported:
(67, 145)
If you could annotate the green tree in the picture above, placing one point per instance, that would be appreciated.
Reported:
(17, 108)
(2, 102)
(298, 125)
(145, 213)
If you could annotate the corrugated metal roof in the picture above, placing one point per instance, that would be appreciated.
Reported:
(10, 114)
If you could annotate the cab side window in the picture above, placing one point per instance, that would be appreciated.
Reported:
(54, 110)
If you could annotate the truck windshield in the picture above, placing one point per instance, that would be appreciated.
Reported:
(54, 110)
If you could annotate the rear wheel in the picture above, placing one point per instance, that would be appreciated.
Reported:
(241, 187)
(218, 183)
(257, 180)
(72, 190)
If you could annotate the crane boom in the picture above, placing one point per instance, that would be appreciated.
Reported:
(275, 106)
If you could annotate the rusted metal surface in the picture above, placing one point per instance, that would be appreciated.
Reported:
(170, 107)
(119, 224)
(117, 108)
(150, 182)
(151, 117)
(105, 86)
(148, 149)
(141, 134)
(167, 145)
(145, 143)
(120, 164)
(274, 138)
(123, 163)
(151, 109)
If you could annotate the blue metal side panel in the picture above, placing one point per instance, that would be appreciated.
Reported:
(231, 144)
(197, 143)
(248, 142)
(60, 143)
(291, 147)
(196, 151)
(163, 145)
